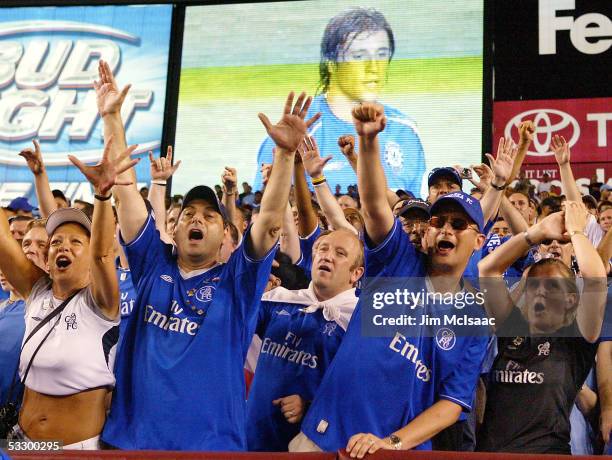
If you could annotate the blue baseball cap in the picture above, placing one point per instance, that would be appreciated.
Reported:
(470, 205)
(205, 193)
(446, 171)
(605, 187)
(21, 204)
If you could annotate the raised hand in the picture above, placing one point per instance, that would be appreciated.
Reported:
(162, 168)
(561, 150)
(551, 227)
(229, 179)
(575, 216)
(313, 163)
(108, 96)
(291, 129)
(369, 119)
(34, 158)
(266, 170)
(104, 175)
(347, 147)
(526, 130)
(485, 176)
(502, 165)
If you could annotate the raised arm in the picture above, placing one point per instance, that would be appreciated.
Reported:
(498, 302)
(229, 178)
(594, 293)
(605, 250)
(314, 164)
(307, 216)
(46, 202)
(287, 135)
(347, 147)
(369, 120)
(161, 170)
(131, 208)
(103, 176)
(562, 155)
(17, 269)
(501, 166)
(526, 130)
(290, 241)
(515, 219)
(604, 387)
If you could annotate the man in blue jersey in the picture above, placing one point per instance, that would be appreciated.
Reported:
(404, 388)
(301, 331)
(180, 382)
(356, 50)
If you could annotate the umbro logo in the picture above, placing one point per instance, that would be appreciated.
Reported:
(283, 313)
(167, 278)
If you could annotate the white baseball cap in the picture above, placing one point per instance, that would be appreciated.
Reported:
(64, 216)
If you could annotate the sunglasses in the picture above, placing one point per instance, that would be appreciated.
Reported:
(457, 223)
(549, 242)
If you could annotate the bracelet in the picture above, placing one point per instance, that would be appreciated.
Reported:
(225, 192)
(501, 188)
(527, 239)
(159, 182)
(103, 198)
(318, 180)
(320, 183)
(577, 232)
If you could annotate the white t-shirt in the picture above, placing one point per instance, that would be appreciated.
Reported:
(79, 353)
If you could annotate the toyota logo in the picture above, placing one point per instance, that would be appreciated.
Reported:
(547, 122)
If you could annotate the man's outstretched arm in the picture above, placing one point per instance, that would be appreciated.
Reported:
(287, 135)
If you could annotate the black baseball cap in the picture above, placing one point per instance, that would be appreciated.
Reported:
(445, 171)
(414, 204)
(204, 193)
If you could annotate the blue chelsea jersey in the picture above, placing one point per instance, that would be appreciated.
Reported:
(127, 299)
(12, 328)
(401, 150)
(180, 382)
(296, 350)
(392, 379)
(306, 245)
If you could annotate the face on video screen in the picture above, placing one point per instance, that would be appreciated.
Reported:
(421, 60)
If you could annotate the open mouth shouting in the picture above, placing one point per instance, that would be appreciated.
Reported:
(62, 262)
(195, 234)
(445, 247)
(324, 268)
(539, 308)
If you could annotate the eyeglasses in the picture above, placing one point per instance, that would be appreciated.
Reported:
(549, 242)
(457, 223)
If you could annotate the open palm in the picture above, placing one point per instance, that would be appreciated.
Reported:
(103, 176)
(313, 163)
(291, 129)
(108, 96)
(561, 149)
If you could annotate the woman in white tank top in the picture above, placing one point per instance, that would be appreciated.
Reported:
(70, 378)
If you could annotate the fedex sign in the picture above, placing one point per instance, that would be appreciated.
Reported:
(48, 63)
(590, 33)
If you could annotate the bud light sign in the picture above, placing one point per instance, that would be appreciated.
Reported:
(48, 63)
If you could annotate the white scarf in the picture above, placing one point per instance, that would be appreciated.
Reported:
(338, 309)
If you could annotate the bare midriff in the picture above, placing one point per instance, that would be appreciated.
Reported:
(69, 419)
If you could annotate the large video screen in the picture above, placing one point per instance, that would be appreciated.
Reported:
(422, 60)
(48, 63)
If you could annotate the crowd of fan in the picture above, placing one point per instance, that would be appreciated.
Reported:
(169, 311)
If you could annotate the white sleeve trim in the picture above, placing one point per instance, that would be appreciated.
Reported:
(387, 238)
(458, 401)
(140, 232)
(310, 235)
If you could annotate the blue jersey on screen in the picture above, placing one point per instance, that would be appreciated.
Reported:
(4, 295)
(180, 381)
(400, 149)
(379, 385)
(12, 328)
(297, 348)
(306, 245)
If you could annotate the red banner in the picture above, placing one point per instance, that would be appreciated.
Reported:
(586, 124)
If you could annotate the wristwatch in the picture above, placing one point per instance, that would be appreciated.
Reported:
(395, 441)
